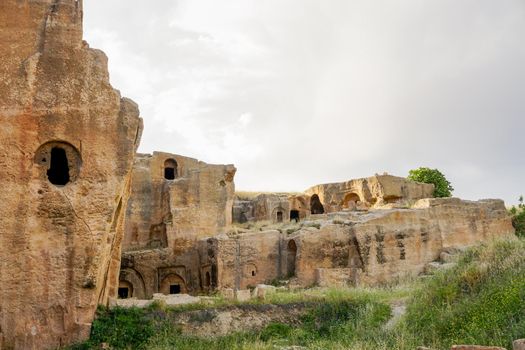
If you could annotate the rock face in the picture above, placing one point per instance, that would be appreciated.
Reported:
(354, 248)
(247, 260)
(376, 191)
(265, 207)
(379, 191)
(175, 197)
(68, 141)
(175, 202)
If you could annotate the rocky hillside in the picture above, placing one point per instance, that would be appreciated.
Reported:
(476, 299)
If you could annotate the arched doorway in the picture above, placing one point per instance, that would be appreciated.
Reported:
(316, 207)
(133, 281)
(170, 169)
(350, 201)
(125, 290)
(291, 257)
(173, 284)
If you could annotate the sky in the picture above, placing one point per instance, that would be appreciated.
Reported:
(301, 92)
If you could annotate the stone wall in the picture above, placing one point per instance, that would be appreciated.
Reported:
(68, 141)
(246, 260)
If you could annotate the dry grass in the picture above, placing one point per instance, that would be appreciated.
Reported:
(250, 195)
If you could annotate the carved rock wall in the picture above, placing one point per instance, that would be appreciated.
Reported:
(68, 141)
(375, 190)
(196, 203)
(383, 245)
(360, 247)
(175, 203)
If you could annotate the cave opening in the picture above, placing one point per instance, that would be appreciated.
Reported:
(58, 172)
(123, 292)
(316, 207)
(170, 169)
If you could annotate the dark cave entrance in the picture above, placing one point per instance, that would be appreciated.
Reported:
(174, 288)
(123, 292)
(170, 169)
(58, 173)
(316, 207)
(294, 215)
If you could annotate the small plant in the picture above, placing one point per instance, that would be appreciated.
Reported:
(443, 188)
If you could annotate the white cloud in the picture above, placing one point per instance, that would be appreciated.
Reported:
(298, 92)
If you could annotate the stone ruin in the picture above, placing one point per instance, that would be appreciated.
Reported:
(86, 220)
(175, 202)
(379, 191)
(360, 232)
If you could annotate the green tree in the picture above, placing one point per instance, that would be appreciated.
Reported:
(443, 188)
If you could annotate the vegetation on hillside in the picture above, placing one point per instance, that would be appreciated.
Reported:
(479, 301)
(443, 188)
(518, 218)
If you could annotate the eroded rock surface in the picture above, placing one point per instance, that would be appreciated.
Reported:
(353, 248)
(68, 141)
(175, 203)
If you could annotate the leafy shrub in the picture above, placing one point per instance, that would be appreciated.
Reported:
(443, 188)
(120, 328)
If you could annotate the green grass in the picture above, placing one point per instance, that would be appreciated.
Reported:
(480, 301)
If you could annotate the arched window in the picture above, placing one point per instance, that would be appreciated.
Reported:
(170, 169)
(60, 160)
(173, 284)
(350, 200)
(316, 207)
(58, 173)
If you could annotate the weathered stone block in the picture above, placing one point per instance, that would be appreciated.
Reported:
(243, 295)
(518, 344)
(228, 293)
(333, 277)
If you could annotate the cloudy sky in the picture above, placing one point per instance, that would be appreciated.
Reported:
(300, 92)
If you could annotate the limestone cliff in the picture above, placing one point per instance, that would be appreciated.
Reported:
(68, 141)
(356, 247)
